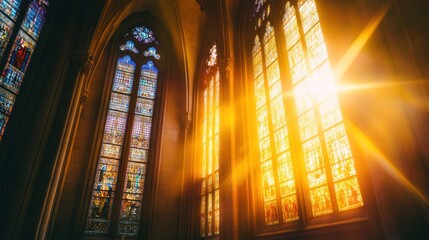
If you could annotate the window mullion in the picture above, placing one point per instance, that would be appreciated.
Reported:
(126, 150)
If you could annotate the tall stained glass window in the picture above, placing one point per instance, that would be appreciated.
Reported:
(126, 142)
(299, 104)
(210, 209)
(24, 33)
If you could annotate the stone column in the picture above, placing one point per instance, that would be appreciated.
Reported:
(84, 63)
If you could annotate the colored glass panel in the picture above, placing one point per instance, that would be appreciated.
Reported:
(6, 26)
(10, 8)
(151, 52)
(148, 79)
(7, 100)
(19, 58)
(35, 18)
(101, 206)
(144, 107)
(210, 214)
(119, 102)
(124, 75)
(114, 130)
(129, 45)
(143, 34)
(3, 120)
(140, 136)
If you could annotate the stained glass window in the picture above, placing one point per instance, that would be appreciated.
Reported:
(329, 176)
(22, 49)
(129, 45)
(209, 213)
(143, 34)
(123, 127)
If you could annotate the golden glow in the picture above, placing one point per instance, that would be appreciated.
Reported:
(362, 39)
(209, 212)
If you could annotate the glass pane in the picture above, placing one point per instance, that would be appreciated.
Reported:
(290, 26)
(348, 194)
(290, 209)
(35, 18)
(143, 34)
(307, 125)
(3, 120)
(144, 107)
(271, 213)
(151, 52)
(148, 79)
(124, 75)
(140, 136)
(320, 201)
(100, 210)
(7, 100)
(119, 102)
(129, 45)
(337, 144)
(114, 130)
(309, 16)
(330, 113)
(138, 155)
(6, 26)
(19, 58)
(316, 46)
(10, 8)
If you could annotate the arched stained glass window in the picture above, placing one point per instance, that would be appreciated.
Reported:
(210, 195)
(124, 152)
(25, 34)
(300, 105)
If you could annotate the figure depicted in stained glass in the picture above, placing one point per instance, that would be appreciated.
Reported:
(20, 55)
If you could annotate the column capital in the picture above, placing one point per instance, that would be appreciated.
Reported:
(83, 61)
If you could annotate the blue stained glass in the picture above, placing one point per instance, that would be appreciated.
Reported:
(124, 75)
(35, 17)
(5, 32)
(149, 76)
(10, 8)
(129, 46)
(152, 52)
(143, 34)
(6, 101)
(3, 121)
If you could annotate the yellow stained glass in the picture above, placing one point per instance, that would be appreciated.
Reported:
(330, 113)
(278, 117)
(271, 213)
(312, 154)
(348, 194)
(260, 91)
(307, 125)
(290, 26)
(290, 209)
(308, 12)
(281, 140)
(302, 98)
(337, 144)
(270, 45)
(210, 217)
(273, 73)
(315, 45)
(320, 201)
(285, 168)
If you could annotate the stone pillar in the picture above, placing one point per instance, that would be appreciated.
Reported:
(84, 63)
